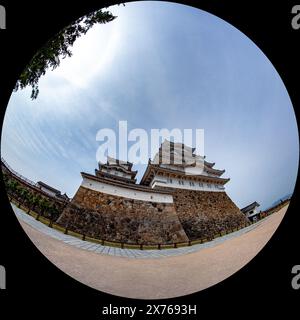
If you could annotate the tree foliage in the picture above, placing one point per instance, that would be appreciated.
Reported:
(46, 207)
(58, 48)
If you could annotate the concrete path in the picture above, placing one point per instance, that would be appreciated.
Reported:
(154, 278)
(129, 253)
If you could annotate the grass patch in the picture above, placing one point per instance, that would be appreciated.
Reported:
(58, 228)
(150, 247)
(181, 245)
(112, 244)
(167, 246)
(44, 220)
(74, 234)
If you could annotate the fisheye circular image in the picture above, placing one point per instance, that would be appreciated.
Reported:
(149, 150)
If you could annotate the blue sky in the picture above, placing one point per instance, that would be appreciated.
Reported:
(160, 65)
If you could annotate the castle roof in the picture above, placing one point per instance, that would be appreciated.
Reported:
(209, 164)
(153, 169)
(114, 161)
(116, 169)
(57, 193)
(213, 171)
(176, 145)
(250, 207)
(46, 186)
(177, 156)
(106, 175)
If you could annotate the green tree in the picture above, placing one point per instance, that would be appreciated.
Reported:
(53, 212)
(24, 195)
(43, 205)
(58, 48)
(31, 201)
(37, 202)
(34, 201)
(11, 186)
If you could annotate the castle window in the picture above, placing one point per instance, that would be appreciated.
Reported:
(200, 184)
(191, 183)
(209, 185)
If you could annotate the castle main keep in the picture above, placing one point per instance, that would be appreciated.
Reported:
(181, 197)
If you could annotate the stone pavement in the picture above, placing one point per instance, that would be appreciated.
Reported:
(128, 253)
(167, 277)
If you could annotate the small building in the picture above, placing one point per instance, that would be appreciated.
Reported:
(51, 191)
(116, 169)
(251, 211)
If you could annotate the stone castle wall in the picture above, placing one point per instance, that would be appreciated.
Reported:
(179, 215)
(193, 215)
(115, 218)
(204, 214)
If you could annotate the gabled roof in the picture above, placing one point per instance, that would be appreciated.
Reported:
(118, 168)
(214, 171)
(176, 154)
(175, 145)
(46, 186)
(209, 164)
(153, 169)
(102, 174)
(113, 161)
(250, 207)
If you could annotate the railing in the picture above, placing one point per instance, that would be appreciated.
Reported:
(18, 175)
(30, 183)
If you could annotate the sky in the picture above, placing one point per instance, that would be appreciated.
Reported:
(160, 65)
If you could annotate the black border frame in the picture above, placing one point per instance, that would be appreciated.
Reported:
(37, 288)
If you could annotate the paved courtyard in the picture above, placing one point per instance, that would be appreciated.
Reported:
(151, 274)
